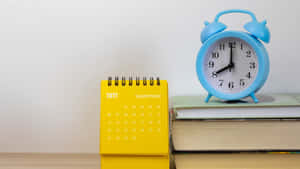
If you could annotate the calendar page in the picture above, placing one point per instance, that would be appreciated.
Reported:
(134, 117)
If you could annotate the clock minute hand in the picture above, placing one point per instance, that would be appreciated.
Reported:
(231, 64)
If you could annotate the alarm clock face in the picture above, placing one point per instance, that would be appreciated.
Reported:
(230, 65)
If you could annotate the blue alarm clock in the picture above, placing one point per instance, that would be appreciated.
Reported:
(232, 65)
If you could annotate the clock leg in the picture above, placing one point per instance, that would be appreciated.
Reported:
(208, 97)
(254, 98)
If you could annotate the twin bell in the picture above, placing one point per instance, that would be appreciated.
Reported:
(259, 30)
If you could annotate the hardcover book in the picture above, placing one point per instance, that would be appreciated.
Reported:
(272, 124)
(270, 106)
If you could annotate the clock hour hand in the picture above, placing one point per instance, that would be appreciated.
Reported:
(230, 65)
(223, 69)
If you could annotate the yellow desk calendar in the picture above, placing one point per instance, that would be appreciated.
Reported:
(134, 124)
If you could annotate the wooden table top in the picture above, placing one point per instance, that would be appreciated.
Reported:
(49, 161)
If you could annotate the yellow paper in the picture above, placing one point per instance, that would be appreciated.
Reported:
(135, 162)
(134, 125)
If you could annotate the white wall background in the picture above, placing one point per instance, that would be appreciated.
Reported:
(55, 52)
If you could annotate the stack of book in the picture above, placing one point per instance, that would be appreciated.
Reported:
(236, 135)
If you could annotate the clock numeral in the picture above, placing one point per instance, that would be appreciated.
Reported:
(215, 55)
(211, 64)
(231, 85)
(222, 46)
(221, 82)
(242, 82)
(232, 44)
(242, 47)
(248, 75)
(214, 75)
(252, 65)
(248, 54)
